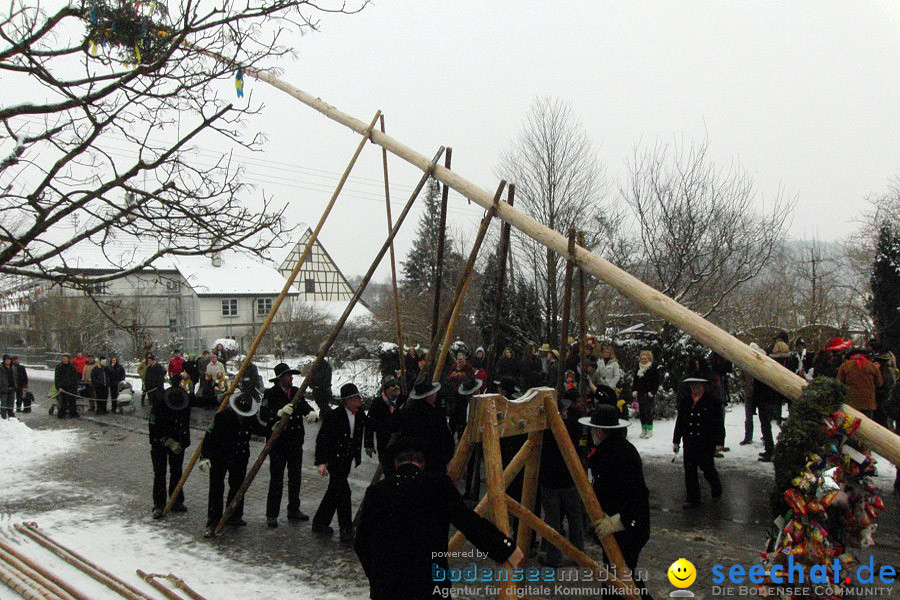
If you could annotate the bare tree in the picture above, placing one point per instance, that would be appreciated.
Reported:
(701, 234)
(124, 90)
(560, 182)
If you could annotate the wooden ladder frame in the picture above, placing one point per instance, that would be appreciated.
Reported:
(493, 417)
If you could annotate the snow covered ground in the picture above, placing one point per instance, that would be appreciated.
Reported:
(100, 533)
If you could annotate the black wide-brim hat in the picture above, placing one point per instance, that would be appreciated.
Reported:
(238, 399)
(605, 416)
(282, 368)
(424, 389)
(177, 399)
(407, 442)
(348, 391)
(606, 395)
(469, 386)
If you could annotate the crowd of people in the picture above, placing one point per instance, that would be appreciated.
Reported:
(414, 436)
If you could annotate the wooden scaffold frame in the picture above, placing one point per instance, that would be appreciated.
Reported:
(493, 417)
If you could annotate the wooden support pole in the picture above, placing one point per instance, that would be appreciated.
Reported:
(390, 225)
(579, 476)
(511, 471)
(530, 489)
(463, 453)
(47, 587)
(264, 328)
(439, 267)
(496, 491)
(43, 572)
(152, 580)
(82, 564)
(582, 325)
(17, 583)
(566, 308)
(449, 321)
(323, 350)
(502, 251)
(878, 438)
(567, 548)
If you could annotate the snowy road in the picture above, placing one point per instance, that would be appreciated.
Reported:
(88, 485)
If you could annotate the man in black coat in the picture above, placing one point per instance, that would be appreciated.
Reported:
(404, 526)
(170, 433)
(226, 451)
(66, 379)
(699, 424)
(382, 420)
(21, 385)
(287, 451)
(320, 384)
(619, 484)
(338, 447)
(100, 384)
(422, 418)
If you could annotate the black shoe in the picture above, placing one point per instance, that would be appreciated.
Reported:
(716, 494)
(179, 508)
(690, 505)
(746, 442)
(210, 532)
(346, 536)
(322, 530)
(157, 513)
(719, 455)
(298, 516)
(236, 523)
(272, 522)
(767, 458)
(764, 454)
(26, 411)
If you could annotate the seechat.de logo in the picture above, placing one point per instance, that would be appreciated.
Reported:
(682, 574)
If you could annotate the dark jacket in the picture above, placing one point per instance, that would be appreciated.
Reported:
(21, 376)
(507, 368)
(274, 399)
(166, 423)
(251, 382)
(648, 383)
(619, 484)
(404, 521)
(321, 377)
(115, 374)
(66, 378)
(100, 378)
(552, 374)
(381, 424)
(334, 444)
(155, 382)
(531, 372)
(554, 473)
(228, 437)
(7, 379)
(192, 369)
(699, 425)
(423, 420)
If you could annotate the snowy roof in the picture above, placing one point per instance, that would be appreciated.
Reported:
(335, 308)
(282, 247)
(237, 275)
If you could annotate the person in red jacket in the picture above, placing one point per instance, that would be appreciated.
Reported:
(863, 377)
(176, 365)
(79, 361)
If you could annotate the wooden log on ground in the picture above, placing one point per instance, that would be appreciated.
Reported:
(29, 564)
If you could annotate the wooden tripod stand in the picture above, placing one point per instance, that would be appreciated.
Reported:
(492, 417)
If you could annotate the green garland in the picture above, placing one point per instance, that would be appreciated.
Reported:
(128, 27)
(802, 434)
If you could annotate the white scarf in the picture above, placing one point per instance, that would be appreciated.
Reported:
(642, 368)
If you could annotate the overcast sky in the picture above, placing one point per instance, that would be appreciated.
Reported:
(804, 95)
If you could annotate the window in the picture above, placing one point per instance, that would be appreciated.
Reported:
(310, 286)
(97, 289)
(173, 286)
(173, 325)
(263, 306)
(229, 307)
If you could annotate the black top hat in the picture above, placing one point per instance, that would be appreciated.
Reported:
(403, 444)
(424, 389)
(605, 417)
(470, 386)
(176, 398)
(281, 369)
(605, 395)
(244, 404)
(348, 391)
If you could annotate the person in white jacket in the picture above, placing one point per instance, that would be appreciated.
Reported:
(609, 373)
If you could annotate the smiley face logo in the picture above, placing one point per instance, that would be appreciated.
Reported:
(682, 573)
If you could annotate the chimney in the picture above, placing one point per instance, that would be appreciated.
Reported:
(216, 259)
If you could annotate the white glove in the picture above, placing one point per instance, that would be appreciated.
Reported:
(675, 448)
(634, 394)
(173, 446)
(608, 526)
(204, 464)
(312, 416)
(287, 409)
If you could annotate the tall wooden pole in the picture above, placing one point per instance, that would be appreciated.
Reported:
(173, 497)
(879, 438)
(439, 268)
(582, 324)
(505, 231)
(460, 292)
(323, 350)
(387, 202)
(567, 305)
